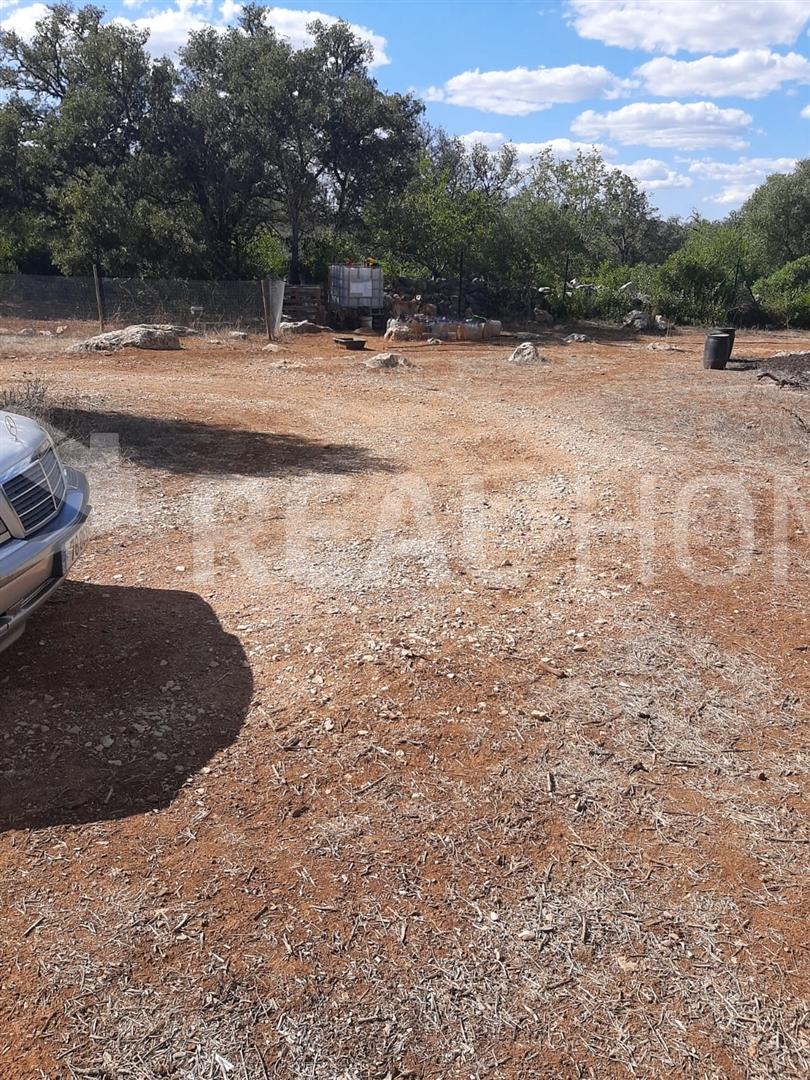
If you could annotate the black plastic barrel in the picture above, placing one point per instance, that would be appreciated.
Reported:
(716, 351)
(731, 331)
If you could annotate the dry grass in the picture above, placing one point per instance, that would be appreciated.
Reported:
(614, 951)
(453, 839)
(33, 398)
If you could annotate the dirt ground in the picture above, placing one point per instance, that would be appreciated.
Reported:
(441, 722)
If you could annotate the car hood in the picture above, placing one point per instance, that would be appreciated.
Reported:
(19, 439)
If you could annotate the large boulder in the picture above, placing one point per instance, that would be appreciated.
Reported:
(388, 360)
(302, 327)
(145, 336)
(526, 353)
(176, 328)
(397, 331)
(636, 320)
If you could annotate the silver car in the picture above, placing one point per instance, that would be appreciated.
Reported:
(43, 509)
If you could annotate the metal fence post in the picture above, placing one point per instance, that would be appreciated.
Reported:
(266, 307)
(99, 298)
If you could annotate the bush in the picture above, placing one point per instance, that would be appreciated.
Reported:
(785, 294)
(7, 262)
(266, 255)
(612, 302)
(327, 248)
(699, 283)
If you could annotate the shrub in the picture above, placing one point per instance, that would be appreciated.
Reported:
(785, 294)
(699, 283)
(265, 255)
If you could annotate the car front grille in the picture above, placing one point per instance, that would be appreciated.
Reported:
(36, 494)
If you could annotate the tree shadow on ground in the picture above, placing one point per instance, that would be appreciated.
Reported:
(191, 446)
(93, 726)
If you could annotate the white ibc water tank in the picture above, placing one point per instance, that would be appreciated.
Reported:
(356, 286)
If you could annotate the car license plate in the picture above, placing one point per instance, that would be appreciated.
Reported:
(73, 549)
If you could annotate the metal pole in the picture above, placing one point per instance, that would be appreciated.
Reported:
(564, 284)
(266, 307)
(99, 299)
(736, 283)
(460, 280)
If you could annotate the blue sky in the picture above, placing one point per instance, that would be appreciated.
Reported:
(698, 99)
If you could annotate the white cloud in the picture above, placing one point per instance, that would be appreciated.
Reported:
(739, 178)
(695, 126)
(742, 168)
(293, 26)
(670, 25)
(653, 174)
(561, 148)
(733, 195)
(169, 28)
(521, 90)
(805, 113)
(23, 20)
(492, 140)
(751, 73)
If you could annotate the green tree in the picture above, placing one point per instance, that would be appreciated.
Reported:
(785, 294)
(292, 138)
(604, 214)
(98, 120)
(704, 281)
(776, 218)
(454, 204)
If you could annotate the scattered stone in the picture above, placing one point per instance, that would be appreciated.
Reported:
(526, 353)
(60, 330)
(25, 332)
(132, 337)
(636, 320)
(388, 360)
(303, 327)
(572, 338)
(238, 335)
(177, 328)
(46, 333)
(663, 346)
(397, 330)
(662, 324)
(433, 341)
(271, 346)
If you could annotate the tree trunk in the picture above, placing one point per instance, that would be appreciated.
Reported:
(294, 272)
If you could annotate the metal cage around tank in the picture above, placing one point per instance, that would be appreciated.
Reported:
(356, 287)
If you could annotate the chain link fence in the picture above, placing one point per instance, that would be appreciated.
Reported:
(200, 304)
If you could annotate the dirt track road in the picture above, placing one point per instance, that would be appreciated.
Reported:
(442, 722)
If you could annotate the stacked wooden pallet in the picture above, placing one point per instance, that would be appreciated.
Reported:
(303, 302)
